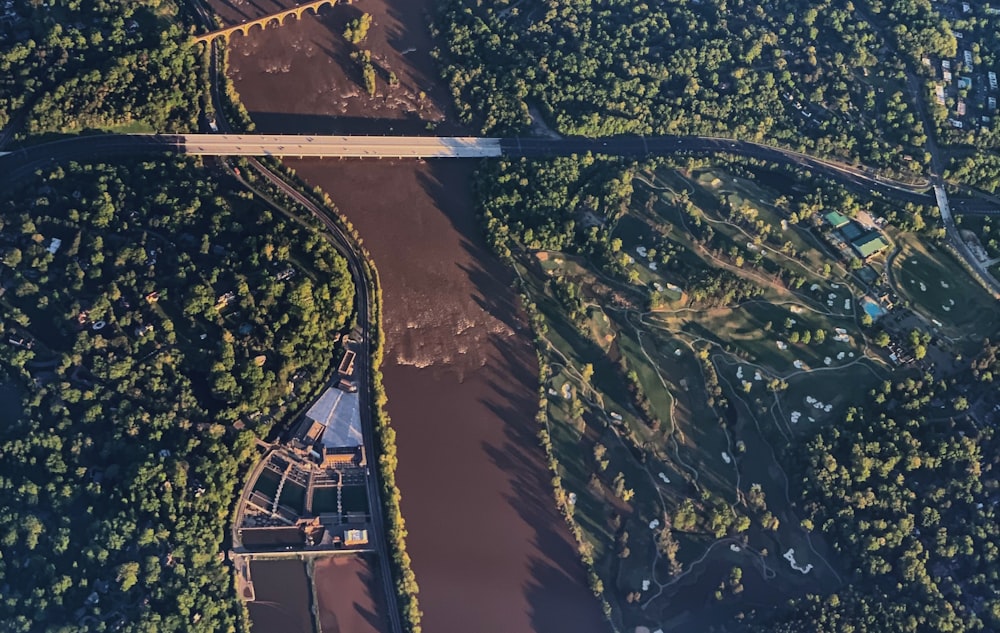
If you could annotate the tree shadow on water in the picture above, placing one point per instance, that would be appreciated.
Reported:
(556, 588)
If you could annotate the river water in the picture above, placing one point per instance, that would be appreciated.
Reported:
(489, 550)
(282, 591)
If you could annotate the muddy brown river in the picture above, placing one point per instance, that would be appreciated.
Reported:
(489, 549)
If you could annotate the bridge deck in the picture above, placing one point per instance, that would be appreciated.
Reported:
(340, 146)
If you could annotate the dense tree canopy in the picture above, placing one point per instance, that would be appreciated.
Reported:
(808, 73)
(68, 65)
(910, 503)
(173, 313)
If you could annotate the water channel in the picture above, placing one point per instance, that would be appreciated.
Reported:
(490, 552)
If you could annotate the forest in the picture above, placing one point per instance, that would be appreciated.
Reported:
(70, 65)
(156, 320)
(807, 74)
(911, 503)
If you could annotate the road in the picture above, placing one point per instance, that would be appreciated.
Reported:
(336, 146)
(100, 145)
(363, 372)
(946, 207)
(21, 163)
(641, 146)
(363, 368)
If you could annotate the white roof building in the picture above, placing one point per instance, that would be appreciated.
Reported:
(339, 412)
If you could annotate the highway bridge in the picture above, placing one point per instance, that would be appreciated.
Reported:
(100, 146)
(336, 146)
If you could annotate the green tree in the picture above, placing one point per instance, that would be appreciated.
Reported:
(357, 29)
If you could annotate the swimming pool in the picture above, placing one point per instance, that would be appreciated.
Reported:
(873, 309)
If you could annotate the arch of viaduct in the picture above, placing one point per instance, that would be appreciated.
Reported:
(263, 22)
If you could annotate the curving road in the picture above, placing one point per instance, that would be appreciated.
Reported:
(363, 370)
(23, 162)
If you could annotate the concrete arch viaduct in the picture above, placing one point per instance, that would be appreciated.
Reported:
(263, 22)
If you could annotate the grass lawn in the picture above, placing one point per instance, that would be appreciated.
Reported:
(745, 330)
(703, 455)
(808, 262)
(838, 389)
(652, 385)
(721, 189)
(939, 288)
(135, 127)
(599, 327)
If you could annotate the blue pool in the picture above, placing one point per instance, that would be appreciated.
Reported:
(873, 309)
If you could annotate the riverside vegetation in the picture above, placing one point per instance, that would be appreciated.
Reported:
(405, 580)
(681, 312)
(683, 323)
(174, 312)
(75, 66)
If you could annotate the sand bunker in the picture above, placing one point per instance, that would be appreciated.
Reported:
(816, 404)
(790, 557)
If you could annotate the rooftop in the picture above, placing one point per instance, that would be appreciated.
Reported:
(869, 245)
(836, 219)
(338, 411)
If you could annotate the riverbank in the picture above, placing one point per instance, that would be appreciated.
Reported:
(489, 549)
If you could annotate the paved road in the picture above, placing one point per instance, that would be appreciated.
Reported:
(449, 147)
(336, 146)
(363, 372)
(363, 368)
(640, 146)
(21, 163)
